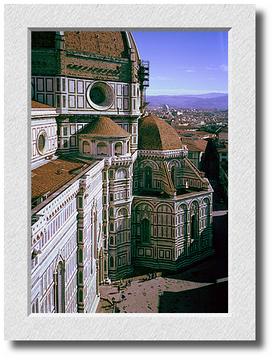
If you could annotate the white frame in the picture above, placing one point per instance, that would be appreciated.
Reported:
(239, 323)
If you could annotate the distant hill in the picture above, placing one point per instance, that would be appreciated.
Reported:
(217, 101)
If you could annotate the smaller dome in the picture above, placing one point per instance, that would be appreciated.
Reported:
(104, 127)
(156, 134)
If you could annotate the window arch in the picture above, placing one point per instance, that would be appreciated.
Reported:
(102, 149)
(86, 147)
(118, 148)
(182, 220)
(194, 220)
(206, 203)
(173, 175)
(121, 174)
(148, 177)
(60, 287)
(122, 212)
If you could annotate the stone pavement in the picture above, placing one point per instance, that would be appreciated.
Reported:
(201, 288)
(142, 296)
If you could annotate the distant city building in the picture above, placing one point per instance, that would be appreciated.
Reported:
(112, 190)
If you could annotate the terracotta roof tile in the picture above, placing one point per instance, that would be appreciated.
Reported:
(195, 145)
(104, 127)
(48, 178)
(156, 134)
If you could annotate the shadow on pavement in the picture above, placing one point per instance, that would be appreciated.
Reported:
(206, 299)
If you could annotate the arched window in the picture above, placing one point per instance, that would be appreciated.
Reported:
(102, 149)
(121, 174)
(60, 288)
(207, 211)
(145, 231)
(193, 227)
(194, 221)
(148, 177)
(173, 175)
(122, 212)
(118, 148)
(86, 147)
(183, 220)
(95, 235)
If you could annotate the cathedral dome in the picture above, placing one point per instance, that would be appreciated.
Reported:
(104, 127)
(105, 43)
(97, 55)
(156, 134)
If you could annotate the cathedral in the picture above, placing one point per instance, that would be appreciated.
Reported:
(113, 190)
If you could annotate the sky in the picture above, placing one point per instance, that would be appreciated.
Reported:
(183, 62)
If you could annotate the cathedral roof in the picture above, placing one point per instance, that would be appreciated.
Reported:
(50, 177)
(104, 127)
(156, 134)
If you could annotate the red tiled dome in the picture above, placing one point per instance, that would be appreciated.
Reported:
(104, 127)
(156, 134)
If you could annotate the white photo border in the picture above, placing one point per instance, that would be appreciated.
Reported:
(239, 323)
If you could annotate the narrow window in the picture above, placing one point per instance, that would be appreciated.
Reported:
(148, 177)
(145, 231)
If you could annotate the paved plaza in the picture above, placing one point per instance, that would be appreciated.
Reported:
(201, 288)
(160, 294)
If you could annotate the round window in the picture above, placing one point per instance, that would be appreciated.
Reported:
(100, 95)
(41, 143)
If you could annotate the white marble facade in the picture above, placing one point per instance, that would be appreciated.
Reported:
(43, 133)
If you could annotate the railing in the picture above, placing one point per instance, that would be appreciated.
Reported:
(164, 153)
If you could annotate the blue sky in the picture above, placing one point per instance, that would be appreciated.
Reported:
(185, 62)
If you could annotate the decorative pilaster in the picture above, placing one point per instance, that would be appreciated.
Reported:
(80, 246)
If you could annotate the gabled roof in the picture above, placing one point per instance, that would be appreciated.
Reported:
(156, 134)
(104, 127)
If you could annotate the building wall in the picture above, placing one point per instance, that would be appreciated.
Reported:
(69, 95)
(162, 234)
(119, 177)
(47, 128)
(66, 238)
(163, 167)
